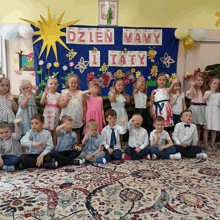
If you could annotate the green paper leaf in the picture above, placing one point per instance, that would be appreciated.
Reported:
(71, 72)
(41, 93)
(40, 71)
(47, 77)
(63, 86)
(55, 74)
(42, 84)
(64, 78)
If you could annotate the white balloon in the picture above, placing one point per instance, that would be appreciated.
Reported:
(198, 34)
(26, 31)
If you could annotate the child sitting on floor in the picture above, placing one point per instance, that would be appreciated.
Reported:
(110, 134)
(185, 137)
(40, 145)
(10, 148)
(66, 150)
(158, 138)
(93, 151)
(138, 140)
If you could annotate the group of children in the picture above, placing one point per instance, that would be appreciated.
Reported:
(51, 145)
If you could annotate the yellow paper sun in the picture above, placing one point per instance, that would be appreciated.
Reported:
(50, 32)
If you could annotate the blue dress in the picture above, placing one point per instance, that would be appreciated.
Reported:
(26, 113)
(119, 107)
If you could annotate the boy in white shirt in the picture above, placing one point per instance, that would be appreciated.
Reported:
(138, 140)
(185, 137)
(158, 138)
(111, 135)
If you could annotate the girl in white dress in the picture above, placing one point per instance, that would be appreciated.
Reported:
(52, 108)
(212, 112)
(73, 104)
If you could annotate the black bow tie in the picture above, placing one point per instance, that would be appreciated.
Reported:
(185, 125)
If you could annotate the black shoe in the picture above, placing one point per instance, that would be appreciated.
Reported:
(20, 166)
(76, 162)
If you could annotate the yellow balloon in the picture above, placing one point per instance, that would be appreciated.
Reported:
(188, 42)
(182, 32)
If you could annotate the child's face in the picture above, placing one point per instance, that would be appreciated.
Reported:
(52, 85)
(143, 85)
(119, 86)
(199, 81)
(111, 120)
(161, 81)
(137, 121)
(36, 125)
(73, 83)
(26, 88)
(214, 84)
(95, 89)
(69, 125)
(92, 130)
(186, 117)
(159, 125)
(4, 86)
(177, 87)
(5, 133)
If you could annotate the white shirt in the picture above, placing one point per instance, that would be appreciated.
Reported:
(163, 138)
(185, 135)
(106, 134)
(178, 107)
(140, 100)
(138, 137)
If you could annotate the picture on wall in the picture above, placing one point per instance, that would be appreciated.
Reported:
(26, 62)
(108, 12)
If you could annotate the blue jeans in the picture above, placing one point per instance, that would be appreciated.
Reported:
(163, 154)
(66, 157)
(115, 156)
(10, 159)
(189, 151)
(137, 156)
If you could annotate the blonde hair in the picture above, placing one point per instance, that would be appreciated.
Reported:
(161, 74)
(71, 75)
(211, 80)
(94, 83)
(145, 87)
(52, 78)
(6, 79)
(24, 82)
(66, 117)
(92, 123)
(204, 86)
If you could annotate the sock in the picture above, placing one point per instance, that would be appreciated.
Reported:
(127, 157)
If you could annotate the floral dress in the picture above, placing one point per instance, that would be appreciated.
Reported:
(52, 111)
(162, 106)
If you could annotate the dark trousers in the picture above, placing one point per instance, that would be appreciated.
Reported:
(189, 151)
(10, 160)
(115, 156)
(30, 160)
(66, 157)
(176, 119)
(137, 156)
(163, 154)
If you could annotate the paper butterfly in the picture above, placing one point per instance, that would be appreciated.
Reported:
(71, 54)
(18, 72)
(15, 60)
(167, 60)
(82, 65)
(32, 74)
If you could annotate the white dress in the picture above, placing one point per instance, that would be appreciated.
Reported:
(74, 108)
(212, 112)
(178, 107)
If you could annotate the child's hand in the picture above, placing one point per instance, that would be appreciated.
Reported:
(123, 119)
(39, 145)
(40, 160)
(192, 83)
(158, 135)
(104, 122)
(183, 145)
(88, 157)
(138, 149)
(1, 162)
(10, 97)
(35, 88)
(161, 148)
(139, 82)
(68, 124)
(46, 90)
(175, 81)
(111, 151)
(17, 120)
(68, 96)
(112, 89)
(28, 96)
(78, 148)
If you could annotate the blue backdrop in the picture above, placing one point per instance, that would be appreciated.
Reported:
(170, 45)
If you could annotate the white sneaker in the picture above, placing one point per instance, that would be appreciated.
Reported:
(82, 161)
(153, 157)
(56, 164)
(201, 156)
(148, 157)
(123, 156)
(176, 156)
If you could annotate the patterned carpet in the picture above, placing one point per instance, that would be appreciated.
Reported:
(135, 190)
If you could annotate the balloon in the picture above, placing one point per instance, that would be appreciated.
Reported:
(188, 42)
(9, 32)
(26, 31)
(198, 34)
(182, 32)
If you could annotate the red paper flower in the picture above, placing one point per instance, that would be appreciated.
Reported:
(127, 81)
(71, 64)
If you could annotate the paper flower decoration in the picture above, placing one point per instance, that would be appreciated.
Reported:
(65, 68)
(173, 75)
(82, 65)
(104, 68)
(167, 60)
(105, 79)
(50, 32)
(167, 76)
(119, 72)
(133, 70)
(71, 54)
(138, 73)
(41, 62)
(56, 64)
(127, 80)
(49, 65)
(149, 77)
(90, 76)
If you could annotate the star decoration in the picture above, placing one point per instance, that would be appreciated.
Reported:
(94, 49)
(173, 75)
(138, 73)
(71, 54)
(50, 32)
(125, 50)
(167, 60)
(218, 15)
(104, 68)
(82, 65)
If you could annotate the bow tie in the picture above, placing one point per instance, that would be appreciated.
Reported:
(185, 125)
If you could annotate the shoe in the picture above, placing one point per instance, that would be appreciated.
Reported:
(101, 160)
(214, 148)
(82, 161)
(211, 148)
(56, 164)
(147, 157)
(9, 168)
(87, 161)
(123, 156)
(176, 156)
(153, 157)
(201, 156)
(76, 162)
(20, 166)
